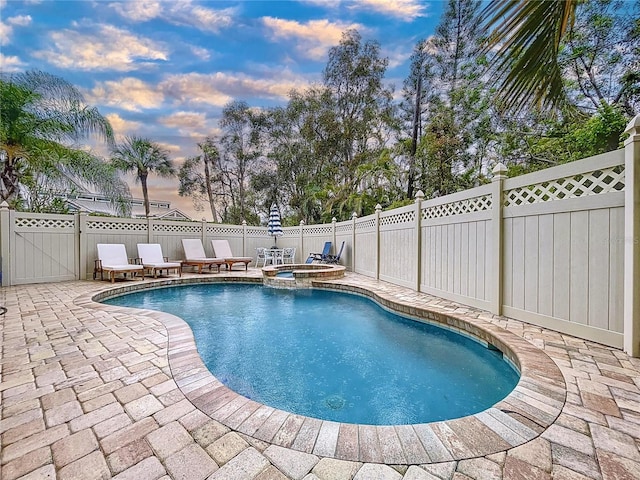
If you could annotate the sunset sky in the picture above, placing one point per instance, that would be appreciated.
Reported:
(164, 69)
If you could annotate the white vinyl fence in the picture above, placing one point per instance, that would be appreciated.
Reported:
(559, 248)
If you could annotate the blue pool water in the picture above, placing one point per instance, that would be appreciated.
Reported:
(285, 274)
(332, 355)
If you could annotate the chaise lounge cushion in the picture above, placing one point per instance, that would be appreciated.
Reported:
(152, 259)
(112, 258)
(195, 255)
(222, 250)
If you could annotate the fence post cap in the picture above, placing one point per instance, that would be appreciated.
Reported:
(499, 171)
(354, 215)
(378, 207)
(4, 205)
(244, 222)
(633, 126)
(334, 220)
(301, 223)
(419, 195)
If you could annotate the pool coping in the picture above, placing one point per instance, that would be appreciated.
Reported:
(522, 416)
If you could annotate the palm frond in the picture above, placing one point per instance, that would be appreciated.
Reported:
(526, 36)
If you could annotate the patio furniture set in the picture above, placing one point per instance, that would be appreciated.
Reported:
(113, 259)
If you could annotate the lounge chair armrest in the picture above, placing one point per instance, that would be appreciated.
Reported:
(135, 261)
(97, 267)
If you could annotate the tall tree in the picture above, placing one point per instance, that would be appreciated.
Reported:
(363, 116)
(241, 148)
(41, 120)
(415, 101)
(199, 175)
(462, 99)
(600, 56)
(301, 153)
(141, 156)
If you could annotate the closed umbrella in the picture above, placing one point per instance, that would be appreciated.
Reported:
(274, 227)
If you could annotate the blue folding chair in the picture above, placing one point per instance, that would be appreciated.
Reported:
(334, 258)
(320, 256)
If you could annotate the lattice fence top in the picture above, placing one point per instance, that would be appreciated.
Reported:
(365, 224)
(52, 223)
(344, 228)
(116, 226)
(257, 232)
(219, 230)
(597, 182)
(468, 205)
(318, 229)
(398, 218)
(291, 232)
(175, 227)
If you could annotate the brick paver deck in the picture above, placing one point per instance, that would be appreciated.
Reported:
(92, 391)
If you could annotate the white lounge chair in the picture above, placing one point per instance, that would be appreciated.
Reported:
(151, 257)
(112, 258)
(195, 256)
(222, 250)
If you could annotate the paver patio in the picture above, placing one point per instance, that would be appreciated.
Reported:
(98, 393)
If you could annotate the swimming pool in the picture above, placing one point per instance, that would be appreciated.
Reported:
(332, 355)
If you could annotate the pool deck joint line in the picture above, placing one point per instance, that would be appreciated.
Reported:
(97, 391)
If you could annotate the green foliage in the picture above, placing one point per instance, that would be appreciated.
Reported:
(527, 37)
(142, 157)
(198, 177)
(241, 148)
(41, 118)
(600, 58)
(557, 142)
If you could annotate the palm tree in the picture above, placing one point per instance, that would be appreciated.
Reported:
(526, 36)
(142, 157)
(41, 119)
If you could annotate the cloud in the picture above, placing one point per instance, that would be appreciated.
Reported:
(323, 3)
(313, 38)
(6, 29)
(194, 88)
(128, 93)
(169, 147)
(101, 47)
(20, 20)
(10, 64)
(185, 13)
(122, 127)
(201, 53)
(180, 12)
(406, 10)
(5, 33)
(397, 55)
(220, 88)
(184, 121)
(138, 11)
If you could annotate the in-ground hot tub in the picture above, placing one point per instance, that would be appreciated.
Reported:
(299, 275)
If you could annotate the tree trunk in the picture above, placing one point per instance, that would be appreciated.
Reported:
(145, 194)
(414, 138)
(8, 179)
(207, 179)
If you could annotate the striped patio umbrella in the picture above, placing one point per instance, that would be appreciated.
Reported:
(274, 227)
